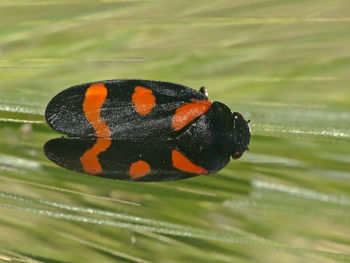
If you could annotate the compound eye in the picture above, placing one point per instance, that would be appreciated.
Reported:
(238, 115)
(238, 155)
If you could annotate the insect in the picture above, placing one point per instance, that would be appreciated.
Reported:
(143, 130)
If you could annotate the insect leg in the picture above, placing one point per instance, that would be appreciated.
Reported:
(204, 91)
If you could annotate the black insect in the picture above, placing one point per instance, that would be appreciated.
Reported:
(143, 130)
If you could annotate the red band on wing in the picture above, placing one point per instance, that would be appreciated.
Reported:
(95, 97)
(188, 112)
(182, 163)
(143, 99)
(90, 161)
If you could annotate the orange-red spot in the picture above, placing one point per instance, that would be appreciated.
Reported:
(143, 99)
(89, 160)
(182, 163)
(188, 112)
(139, 169)
(95, 97)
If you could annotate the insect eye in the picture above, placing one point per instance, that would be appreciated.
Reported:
(237, 115)
(237, 155)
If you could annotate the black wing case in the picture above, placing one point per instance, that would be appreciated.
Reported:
(119, 109)
(123, 160)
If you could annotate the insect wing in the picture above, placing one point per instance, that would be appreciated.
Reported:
(123, 160)
(122, 109)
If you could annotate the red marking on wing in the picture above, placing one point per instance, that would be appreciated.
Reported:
(90, 161)
(182, 163)
(139, 169)
(188, 112)
(95, 97)
(143, 99)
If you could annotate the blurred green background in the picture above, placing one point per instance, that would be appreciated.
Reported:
(282, 64)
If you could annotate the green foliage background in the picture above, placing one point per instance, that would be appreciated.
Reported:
(282, 64)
